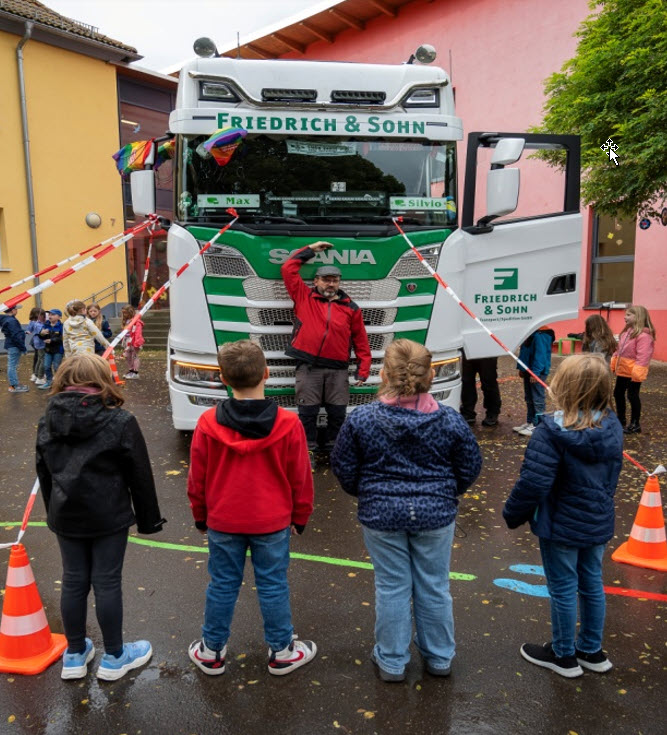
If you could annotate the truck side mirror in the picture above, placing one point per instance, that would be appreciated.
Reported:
(502, 192)
(507, 150)
(142, 185)
(502, 184)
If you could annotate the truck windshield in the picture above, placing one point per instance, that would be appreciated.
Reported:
(319, 180)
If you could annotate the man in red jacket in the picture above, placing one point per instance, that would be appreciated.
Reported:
(326, 323)
(250, 487)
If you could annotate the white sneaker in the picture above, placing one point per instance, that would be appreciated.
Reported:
(33, 378)
(292, 657)
(521, 427)
(527, 431)
(40, 381)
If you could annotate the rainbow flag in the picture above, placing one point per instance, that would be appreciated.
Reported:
(165, 151)
(223, 143)
(132, 157)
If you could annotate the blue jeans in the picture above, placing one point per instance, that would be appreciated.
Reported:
(570, 570)
(13, 359)
(412, 565)
(51, 364)
(535, 399)
(270, 559)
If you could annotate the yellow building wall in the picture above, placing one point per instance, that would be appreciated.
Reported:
(73, 128)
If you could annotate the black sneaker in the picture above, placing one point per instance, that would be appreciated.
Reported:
(436, 671)
(632, 429)
(567, 666)
(469, 419)
(490, 420)
(387, 675)
(593, 661)
(209, 661)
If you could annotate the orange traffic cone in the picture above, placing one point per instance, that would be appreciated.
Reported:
(647, 545)
(27, 645)
(114, 370)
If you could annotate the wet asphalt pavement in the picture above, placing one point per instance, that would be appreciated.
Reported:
(491, 690)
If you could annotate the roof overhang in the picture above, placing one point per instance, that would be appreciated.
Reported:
(64, 39)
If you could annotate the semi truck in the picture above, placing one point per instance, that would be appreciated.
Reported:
(335, 151)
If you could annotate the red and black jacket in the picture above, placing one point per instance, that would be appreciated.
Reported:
(324, 330)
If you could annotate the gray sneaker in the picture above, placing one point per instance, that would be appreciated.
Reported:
(19, 389)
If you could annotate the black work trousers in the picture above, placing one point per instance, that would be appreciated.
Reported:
(622, 386)
(487, 368)
(317, 387)
(98, 562)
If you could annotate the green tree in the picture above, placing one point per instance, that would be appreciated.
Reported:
(616, 87)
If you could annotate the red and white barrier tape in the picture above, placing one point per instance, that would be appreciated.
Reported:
(26, 515)
(165, 286)
(115, 243)
(59, 263)
(147, 265)
(519, 362)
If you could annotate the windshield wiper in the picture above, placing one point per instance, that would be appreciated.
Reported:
(264, 218)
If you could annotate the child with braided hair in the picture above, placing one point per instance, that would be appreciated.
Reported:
(407, 458)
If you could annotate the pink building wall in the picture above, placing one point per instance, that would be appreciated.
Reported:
(501, 53)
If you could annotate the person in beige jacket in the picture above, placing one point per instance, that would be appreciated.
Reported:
(79, 332)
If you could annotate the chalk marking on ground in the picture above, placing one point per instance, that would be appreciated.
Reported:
(460, 576)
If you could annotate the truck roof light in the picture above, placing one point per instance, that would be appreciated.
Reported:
(289, 95)
(429, 97)
(358, 97)
(425, 54)
(216, 91)
(206, 48)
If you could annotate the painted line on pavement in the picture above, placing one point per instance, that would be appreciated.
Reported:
(460, 576)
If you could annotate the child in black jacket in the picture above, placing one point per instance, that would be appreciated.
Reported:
(96, 479)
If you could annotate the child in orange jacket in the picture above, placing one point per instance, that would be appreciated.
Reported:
(630, 364)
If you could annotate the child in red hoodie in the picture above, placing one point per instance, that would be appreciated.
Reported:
(250, 487)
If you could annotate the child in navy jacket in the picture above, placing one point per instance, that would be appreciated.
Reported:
(566, 491)
(535, 353)
(15, 346)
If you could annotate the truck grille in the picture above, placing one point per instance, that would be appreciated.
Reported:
(285, 369)
(226, 262)
(409, 266)
(283, 317)
(262, 289)
(280, 342)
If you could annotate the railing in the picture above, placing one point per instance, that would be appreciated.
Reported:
(108, 292)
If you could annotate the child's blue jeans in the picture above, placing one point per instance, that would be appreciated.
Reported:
(535, 399)
(570, 570)
(51, 364)
(270, 559)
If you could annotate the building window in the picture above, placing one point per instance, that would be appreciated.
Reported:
(613, 260)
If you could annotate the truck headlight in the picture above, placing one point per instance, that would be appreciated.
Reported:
(192, 373)
(446, 369)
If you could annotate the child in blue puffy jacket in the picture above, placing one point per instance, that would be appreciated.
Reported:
(535, 353)
(566, 490)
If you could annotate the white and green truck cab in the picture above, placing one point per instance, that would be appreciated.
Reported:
(333, 152)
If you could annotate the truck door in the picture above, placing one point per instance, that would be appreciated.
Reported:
(521, 269)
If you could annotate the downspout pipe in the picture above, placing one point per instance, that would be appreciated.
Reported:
(26, 152)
